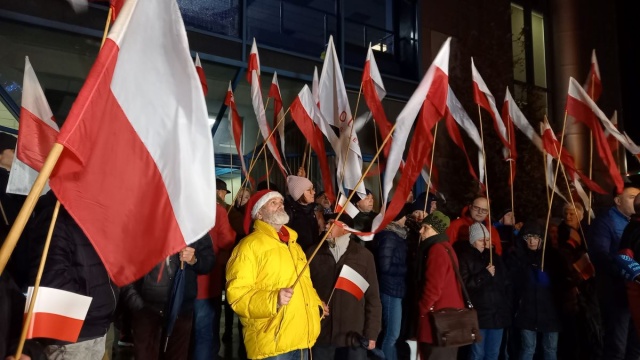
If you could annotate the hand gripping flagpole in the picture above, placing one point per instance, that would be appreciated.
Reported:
(555, 177)
(486, 186)
(324, 238)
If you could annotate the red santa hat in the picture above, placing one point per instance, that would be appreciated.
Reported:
(255, 203)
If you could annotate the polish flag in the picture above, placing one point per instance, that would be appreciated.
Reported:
(57, 314)
(36, 135)
(512, 112)
(278, 109)
(429, 99)
(38, 130)
(305, 114)
(137, 169)
(583, 109)
(201, 76)
(593, 85)
(352, 282)
(254, 62)
(374, 91)
(551, 146)
(253, 74)
(350, 209)
(485, 99)
(457, 115)
(334, 107)
(236, 125)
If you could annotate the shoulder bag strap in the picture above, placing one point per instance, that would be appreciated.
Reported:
(455, 268)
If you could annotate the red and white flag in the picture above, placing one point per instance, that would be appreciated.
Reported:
(512, 112)
(374, 91)
(57, 314)
(201, 76)
(551, 147)
(611, 138)
(430, 100)
(593, 84)
(348, 206)
(583, 109)
(278, 109)
(352, 282)
(253, 75)
(36, 135)
(38, 130)
(306, 114)
(334, 107)
(137, 171)
(485, 99)
(236, 125)
(457, 115)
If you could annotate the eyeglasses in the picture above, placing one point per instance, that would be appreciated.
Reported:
(479, 209)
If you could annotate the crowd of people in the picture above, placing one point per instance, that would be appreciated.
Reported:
(274, 260)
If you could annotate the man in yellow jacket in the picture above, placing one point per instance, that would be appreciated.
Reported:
(279, 322)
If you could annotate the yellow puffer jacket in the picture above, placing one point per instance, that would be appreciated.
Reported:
(259, 267)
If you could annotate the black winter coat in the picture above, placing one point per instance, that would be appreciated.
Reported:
(302, 219)
(154, 289)
(348, 315)
(73, 265)
(391, 261)
(489, 294)
(537, 295)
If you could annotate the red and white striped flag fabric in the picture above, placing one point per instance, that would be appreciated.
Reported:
(278, 109)
(137, 169)
(483, 97)
(552, 147)
(374, 91)
(236, 125)
(611, 139)
(352, 282)
(512, 112)
(457, 114)
(334, 107)
(253, 74)
(349, 208)
(593, 84)
(57, 314)
(305, 114)
(429, 98)
(36, 135)
(201, 76)
(38, 130)
(583, 109)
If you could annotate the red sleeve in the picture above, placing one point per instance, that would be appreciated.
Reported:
(437, 263)
(495, 240)
(452, 231)
(222, 234)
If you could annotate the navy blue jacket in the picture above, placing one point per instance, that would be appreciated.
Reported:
(391, 260)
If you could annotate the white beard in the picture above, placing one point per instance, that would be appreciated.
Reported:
(276, 218)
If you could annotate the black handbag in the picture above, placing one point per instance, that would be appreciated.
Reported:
(455, 327)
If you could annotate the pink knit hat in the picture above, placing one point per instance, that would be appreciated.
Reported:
(297, 186)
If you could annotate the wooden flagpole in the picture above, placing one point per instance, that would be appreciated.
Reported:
(264, 144)
(36, 286)
(25, 213)
(512, 180)
(486, 185)
(375, 134)
(433, 151)
(324, 238)
(555, 177)
(590, 154)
